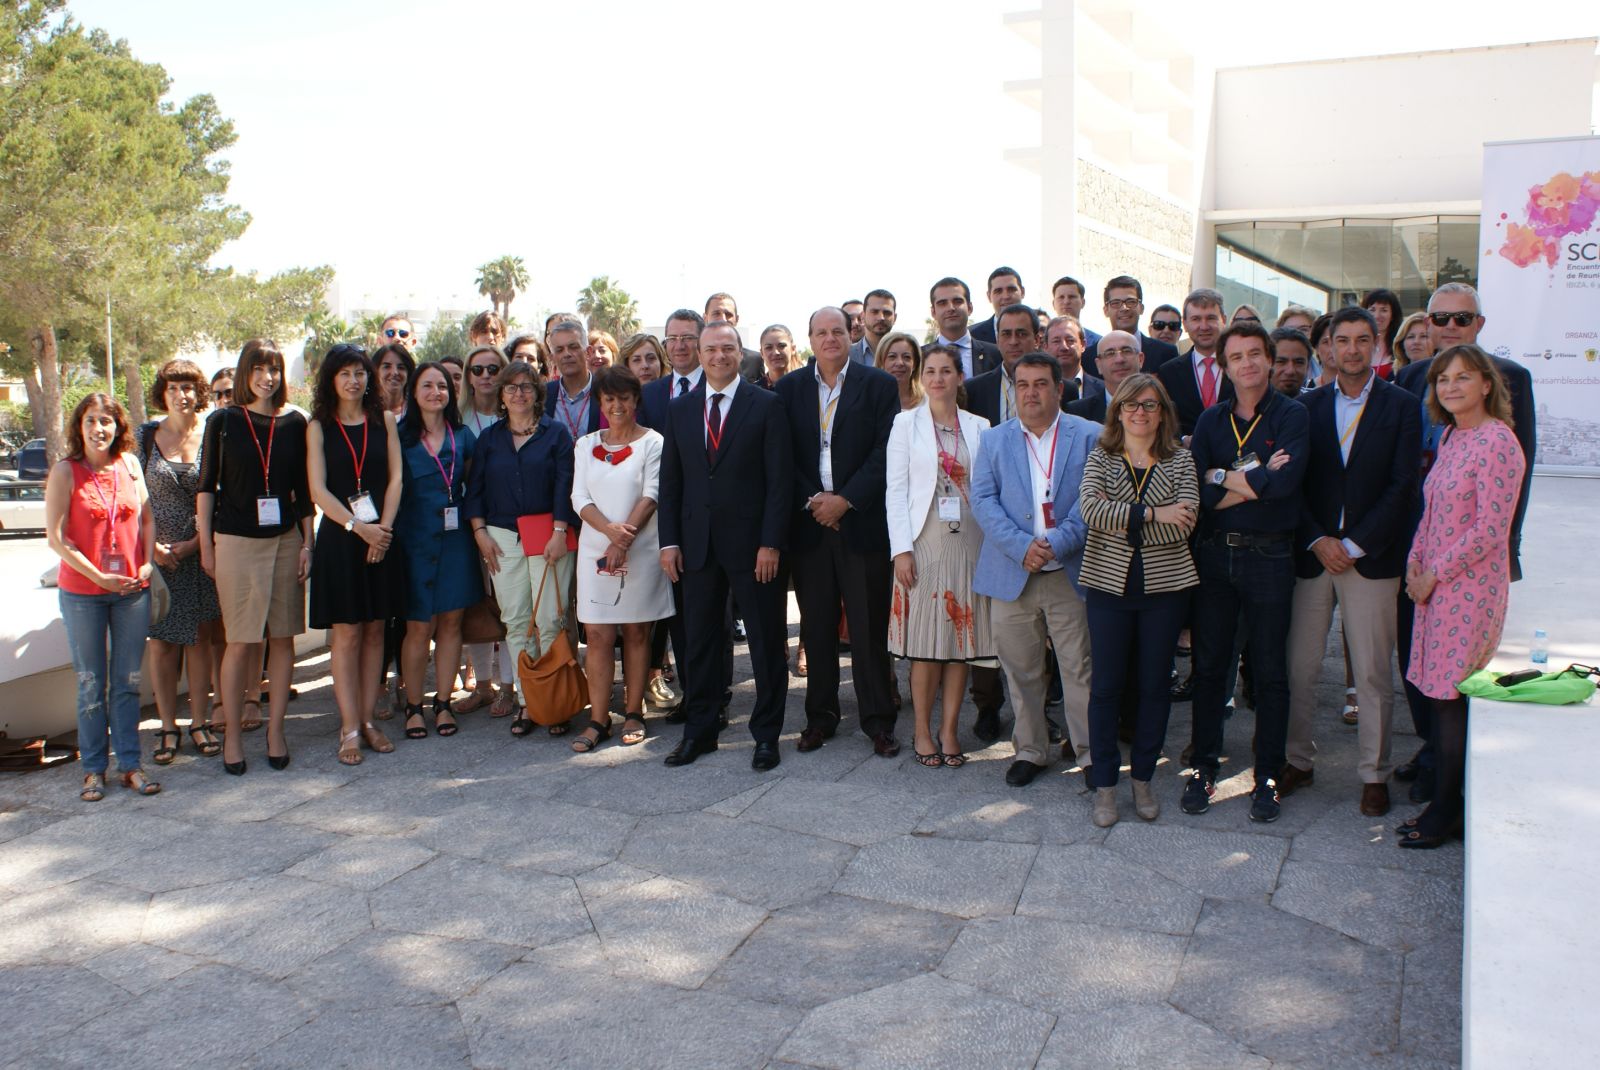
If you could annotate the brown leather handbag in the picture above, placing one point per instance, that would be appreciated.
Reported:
(554, 687)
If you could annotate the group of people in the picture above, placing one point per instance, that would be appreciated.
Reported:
(1019, 505)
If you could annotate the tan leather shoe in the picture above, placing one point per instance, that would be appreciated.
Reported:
(1375, 799)
(1144, 801)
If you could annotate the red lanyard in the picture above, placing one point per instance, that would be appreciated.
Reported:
(361, 461)
(566, 409)
(948, 461)
(449, 480)
(266, 458)
(715, 437)
(110, 506)
(1054, 438)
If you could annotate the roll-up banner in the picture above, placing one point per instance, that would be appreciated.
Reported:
(1539, 277)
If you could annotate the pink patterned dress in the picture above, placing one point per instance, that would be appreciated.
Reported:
(1469, 499)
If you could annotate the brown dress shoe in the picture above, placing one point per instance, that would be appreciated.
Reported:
(810, 740)
(1375, 799)
(885, 746)
(1293, 777)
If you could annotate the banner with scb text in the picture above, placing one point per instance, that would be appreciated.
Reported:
(1539, 274)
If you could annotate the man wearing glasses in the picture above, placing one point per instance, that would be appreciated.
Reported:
(1119, 358)
(398, 329)
(1124, 305)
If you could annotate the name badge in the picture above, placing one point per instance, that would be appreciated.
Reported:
(116, 564)
(362, 509)
(268, 514)
(1248, 462)
(452, 517)
(950, 509)
(1049, 510)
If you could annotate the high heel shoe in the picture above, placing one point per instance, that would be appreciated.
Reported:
(420, 729)
(441, 707)
(234, 768)
(278, 761)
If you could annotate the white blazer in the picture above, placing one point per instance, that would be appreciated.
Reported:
(912, 472)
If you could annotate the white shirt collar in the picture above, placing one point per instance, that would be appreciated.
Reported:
(838, 382)
(1360, 398)
(1196, 357)
(693, 377)
(1048, 432)
(727, 396)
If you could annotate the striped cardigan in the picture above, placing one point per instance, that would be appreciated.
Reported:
(1168, 563)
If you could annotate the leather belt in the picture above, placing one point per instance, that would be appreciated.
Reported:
(1247, 540)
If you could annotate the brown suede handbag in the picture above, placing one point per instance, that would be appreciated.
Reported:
(554, 687)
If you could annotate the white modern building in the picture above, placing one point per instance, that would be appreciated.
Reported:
(1298, 182)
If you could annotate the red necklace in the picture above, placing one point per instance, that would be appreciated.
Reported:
(613, 457)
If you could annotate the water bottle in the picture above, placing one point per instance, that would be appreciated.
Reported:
(1539, 653)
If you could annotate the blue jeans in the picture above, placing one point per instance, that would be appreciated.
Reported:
(108, 681)
(1142, 630)
(1256, 583)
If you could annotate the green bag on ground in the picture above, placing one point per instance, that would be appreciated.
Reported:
(1551, 689)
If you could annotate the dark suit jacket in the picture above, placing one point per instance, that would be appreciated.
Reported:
(1414, 378)
(1156, 353)
(653, 402)
(985, 355)
(983, 394)
(868, 403)
(1178, 377)
(1374, 490)
(591, 422)
(751, 366)
(984, 331)
(722, 513)
(1092, 407)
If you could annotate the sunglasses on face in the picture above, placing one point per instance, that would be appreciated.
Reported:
(1462, 319)
(392, 332)
(223, 395)
(484, 369)
(1165, 325)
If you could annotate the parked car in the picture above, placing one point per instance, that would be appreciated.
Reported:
(32, 461)
(21, 506)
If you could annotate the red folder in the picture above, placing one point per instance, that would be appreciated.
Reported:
(535, 532)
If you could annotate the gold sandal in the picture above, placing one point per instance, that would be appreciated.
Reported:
(375, 739)
(350, 748)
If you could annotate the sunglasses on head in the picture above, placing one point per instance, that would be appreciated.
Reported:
(391, 332)
(1165, 325)
(1462, 319)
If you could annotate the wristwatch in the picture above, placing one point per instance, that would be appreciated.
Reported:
(1219, 476)
(350, 525)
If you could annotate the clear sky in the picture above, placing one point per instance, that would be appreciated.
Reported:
(791, 154)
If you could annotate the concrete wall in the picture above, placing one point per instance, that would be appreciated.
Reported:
(1415, 123)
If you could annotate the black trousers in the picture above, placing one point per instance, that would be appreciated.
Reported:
(680, 645)
(823, 575)
(1422, 707)
(708, 669)
(1131, 635)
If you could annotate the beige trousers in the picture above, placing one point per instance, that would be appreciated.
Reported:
(1367, 608)
(1048, 607)
(515, 586)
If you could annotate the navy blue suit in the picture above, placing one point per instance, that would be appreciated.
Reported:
(1156, 353)
(1178, 377)
(719, 510)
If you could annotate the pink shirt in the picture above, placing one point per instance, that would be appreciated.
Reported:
(102, 518)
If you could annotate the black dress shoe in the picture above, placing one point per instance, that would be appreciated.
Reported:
(1422, 787)
(722, 719)
(1407, 772)
(688, 750)
(1181, 691)
(765, 758)
(987, 726)
(1022, 772)
(234, 768)
(810, 740)
(678, 715)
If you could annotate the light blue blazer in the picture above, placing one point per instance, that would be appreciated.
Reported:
(1002, 500)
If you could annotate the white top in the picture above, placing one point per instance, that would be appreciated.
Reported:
(911, 472)
(643, 593)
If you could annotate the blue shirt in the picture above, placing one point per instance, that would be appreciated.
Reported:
(506, 482)
(1282, 425)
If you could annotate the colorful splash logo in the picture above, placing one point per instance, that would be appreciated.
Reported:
(1563, 206)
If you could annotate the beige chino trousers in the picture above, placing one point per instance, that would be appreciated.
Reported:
(1048, 607)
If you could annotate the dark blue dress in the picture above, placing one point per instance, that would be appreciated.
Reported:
(442, 567)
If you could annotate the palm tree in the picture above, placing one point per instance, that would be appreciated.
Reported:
(608, 307)
(368, 331)
(500, 280)
(324, 330)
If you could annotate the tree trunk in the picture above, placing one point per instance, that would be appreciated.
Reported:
(30, 383)
(43, 341)
(128, 364)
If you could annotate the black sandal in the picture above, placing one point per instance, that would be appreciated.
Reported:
(441, 707)
(163, 754)
(602, 732)
(932, 761)
(953, 761)
(560, 728)
(420, 730)
(521, 724)
(204, 738)
(632, 737)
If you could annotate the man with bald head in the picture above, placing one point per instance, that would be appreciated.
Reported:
(839, 416)
(1120, 357)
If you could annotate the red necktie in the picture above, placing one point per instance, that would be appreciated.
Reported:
(1208, 382)
(714, 427)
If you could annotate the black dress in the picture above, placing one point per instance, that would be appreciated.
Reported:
(345, 587)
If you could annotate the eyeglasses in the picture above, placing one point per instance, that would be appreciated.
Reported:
(1123, 302)
(222, 395)
(1165, 325)
(1148, 405)
(1120, 351)
(484, 369)
(518, 388)
(1462, 319)
(681, 338)
(390, 332)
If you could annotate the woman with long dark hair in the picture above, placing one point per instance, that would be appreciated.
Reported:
(358, 584)
(253, 519)
(394, 366)
(98, 519)
(442, 568)
(1385, 308)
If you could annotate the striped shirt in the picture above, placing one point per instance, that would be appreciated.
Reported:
(1164, 548)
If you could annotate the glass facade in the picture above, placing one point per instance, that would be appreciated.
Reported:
(1329, 263)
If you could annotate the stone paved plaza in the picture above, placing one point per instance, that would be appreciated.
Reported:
(492, 902)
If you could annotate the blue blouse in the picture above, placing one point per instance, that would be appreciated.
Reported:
(506, 482)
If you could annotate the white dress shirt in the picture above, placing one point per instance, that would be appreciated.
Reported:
(964, 344)
(1346, 418)
(827, 414)
(726, 394)
(678, 390)
(1039, 460)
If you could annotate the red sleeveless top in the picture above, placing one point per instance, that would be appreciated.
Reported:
(102, 518)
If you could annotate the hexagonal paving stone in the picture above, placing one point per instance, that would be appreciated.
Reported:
(1229, 865)
(82, 846)
(1090, 883)
(461, 897)
(552, 836)
(765, 866)
(362, 862)
(70, 923)
(377, 1037)
(41, 1003)
(850, 813)
(924, 1023)
(1139, 1035)
(1384, 907)
(960, 877)
(665, 930)
(388, 968)
(139, 967)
